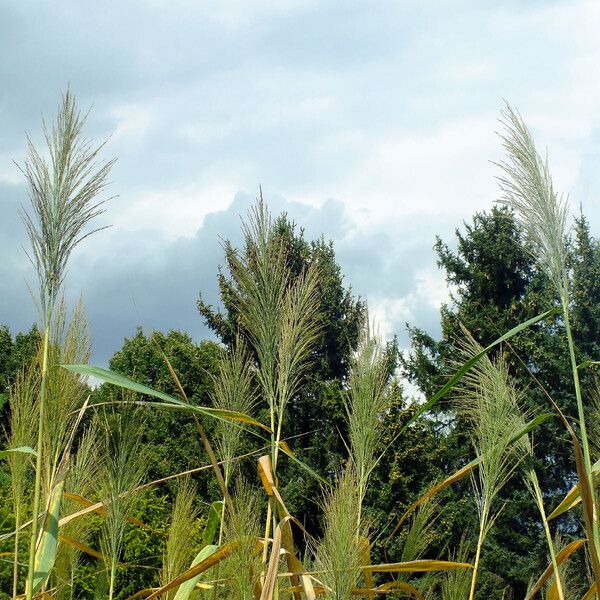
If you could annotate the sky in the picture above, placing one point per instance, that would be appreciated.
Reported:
(371, 123)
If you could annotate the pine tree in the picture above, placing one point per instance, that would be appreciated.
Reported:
(494, 286)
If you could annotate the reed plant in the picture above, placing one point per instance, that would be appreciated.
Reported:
(240, 574)
(532, 482)
(490, 404)
(100, 470)
(339, 555)
(81, 482)
(234, 389)
(528, 189)
(181, 538)
(24, 407)
(64, 188)
(278, 314)
(421, 532)
(122, 470)
(366, 401)
(69, 342)
(456, 584)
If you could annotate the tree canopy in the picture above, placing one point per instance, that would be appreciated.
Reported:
(495, 284)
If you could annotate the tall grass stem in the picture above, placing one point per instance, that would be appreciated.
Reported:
(38, 460)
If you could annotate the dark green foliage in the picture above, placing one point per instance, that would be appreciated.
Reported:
(15, 354)
(586, 297)
(315, 418)
(171, 436)
(495, 285)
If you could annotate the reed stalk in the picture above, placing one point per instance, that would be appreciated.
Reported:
(15, 589)
(38, 460)
(179, 549)
(491, 405)
(233, 390)
(483, 518)
(81, 481)
(528, 189)
(23, 421)
(539, 500)
(339, 555)
(365, 403)
(582, 427)
(279, 316)
(241, 571)
(122, 470)
(62, 192)
(456, 583)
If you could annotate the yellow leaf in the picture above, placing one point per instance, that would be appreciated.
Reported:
(560, 558)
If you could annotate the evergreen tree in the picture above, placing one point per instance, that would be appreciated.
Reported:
(586, 291)
(494, 286)
(15, 354)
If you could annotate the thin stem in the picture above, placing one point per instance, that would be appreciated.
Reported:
(582, 427)
(221, 526)
(265, 553)
(276, 445)
(113, 574)
(540, 502)
(361, 495)
(275, 458)
(38, 462)
(482, 527)
(213, 460)
(16, 558)
(221, 529)
(276, 588)
(271, 518)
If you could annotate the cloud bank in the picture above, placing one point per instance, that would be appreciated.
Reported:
(371, 123)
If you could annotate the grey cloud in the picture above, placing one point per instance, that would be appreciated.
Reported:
(262, 99)
(263, 94)
(140, 279)
(16, 272)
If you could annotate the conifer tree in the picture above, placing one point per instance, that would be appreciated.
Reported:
(495, 285)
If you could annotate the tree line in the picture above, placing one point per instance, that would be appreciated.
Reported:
(494, 283)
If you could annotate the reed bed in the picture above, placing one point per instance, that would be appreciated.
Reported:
(76, 465)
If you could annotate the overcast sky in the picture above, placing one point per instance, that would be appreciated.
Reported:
(369, 122)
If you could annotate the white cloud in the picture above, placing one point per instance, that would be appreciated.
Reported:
(133, 122)
(389, 108)
(461, 72)
(173, 212)
(445, 171)
(392, 312)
